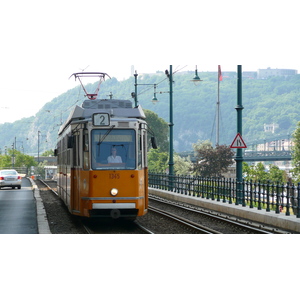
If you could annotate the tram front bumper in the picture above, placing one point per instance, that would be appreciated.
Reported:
(113, 205)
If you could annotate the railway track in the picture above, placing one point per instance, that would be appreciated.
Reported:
(113, 227)
(218, 223)
(191, 226)
(90, 226)
(167, 217)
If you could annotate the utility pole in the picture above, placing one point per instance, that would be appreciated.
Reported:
(218, 107)
(135, 89)
(171, 124)
(239, 153)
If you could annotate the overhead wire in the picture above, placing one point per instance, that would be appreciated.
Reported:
(174, 72)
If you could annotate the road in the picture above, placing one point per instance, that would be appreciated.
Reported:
(18, 210)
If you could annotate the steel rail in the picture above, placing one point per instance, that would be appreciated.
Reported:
(183, 221)
(49, 187)
(256, 228)
(86, 227)
(143, 228)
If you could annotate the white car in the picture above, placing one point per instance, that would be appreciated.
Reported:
(10, 178)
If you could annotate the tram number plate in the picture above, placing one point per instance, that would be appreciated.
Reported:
(101, 119)
(114, 176)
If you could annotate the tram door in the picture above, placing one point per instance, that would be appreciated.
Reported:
(75, 174)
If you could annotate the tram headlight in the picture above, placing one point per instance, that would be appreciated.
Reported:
(114, 192)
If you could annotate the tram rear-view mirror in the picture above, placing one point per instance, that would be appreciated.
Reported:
(153, 142)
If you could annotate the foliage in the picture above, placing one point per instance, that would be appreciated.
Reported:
(40, 169)
(48, 153)
(212, 162)
(259, 173)
(159, 127)
(157, 161)
(296, 153)
(255, 172)
(21, 160)
(182, 166)
(277, 175)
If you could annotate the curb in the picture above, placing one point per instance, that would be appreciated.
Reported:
(42, 220)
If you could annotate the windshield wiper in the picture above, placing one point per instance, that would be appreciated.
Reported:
(104, 136)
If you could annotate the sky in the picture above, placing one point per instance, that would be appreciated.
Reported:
(44, 42)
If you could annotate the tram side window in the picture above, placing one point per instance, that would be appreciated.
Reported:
(145, 148)
(140, 152)
(86, 162)
(59, 156)
(76, 152)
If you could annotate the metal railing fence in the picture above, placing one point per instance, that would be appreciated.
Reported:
(278, 197)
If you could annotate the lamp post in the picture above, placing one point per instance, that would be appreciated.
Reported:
(135, 89)
(39, 146)
(171, 124)
(169, 74)
(134, 95)
(239, 153)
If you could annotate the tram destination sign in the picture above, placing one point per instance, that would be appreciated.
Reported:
(101, 119)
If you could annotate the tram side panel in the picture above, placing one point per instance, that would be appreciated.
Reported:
(64, 169)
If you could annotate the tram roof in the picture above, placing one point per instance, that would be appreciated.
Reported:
(115, 108)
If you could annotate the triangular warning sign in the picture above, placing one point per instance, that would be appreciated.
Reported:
(238, 142)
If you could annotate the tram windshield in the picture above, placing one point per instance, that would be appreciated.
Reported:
(113, 149)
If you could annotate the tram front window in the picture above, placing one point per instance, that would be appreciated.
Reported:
(113, 149)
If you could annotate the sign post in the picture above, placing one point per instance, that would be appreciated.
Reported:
(238, 141)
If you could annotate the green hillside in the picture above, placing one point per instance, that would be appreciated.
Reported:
(274, 100)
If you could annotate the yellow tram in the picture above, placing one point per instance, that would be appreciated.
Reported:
(102, 159)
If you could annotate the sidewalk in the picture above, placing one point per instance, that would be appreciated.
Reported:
(42, 221)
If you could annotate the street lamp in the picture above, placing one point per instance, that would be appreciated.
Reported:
(196, 78)
(154, 100)
(134, 95)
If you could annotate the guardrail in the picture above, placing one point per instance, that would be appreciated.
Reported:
(278, 197)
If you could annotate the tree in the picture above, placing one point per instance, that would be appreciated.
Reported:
(212, 162)
(21, 160)
(247, 171)
(296, 153)
(157, 161)
(5, 161)
(159, 128)
(258, 172)
(277, 175)
(255, 172)
(48, 153)
(182, 165)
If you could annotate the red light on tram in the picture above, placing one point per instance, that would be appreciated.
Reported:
(95, 176)
(132, 175)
